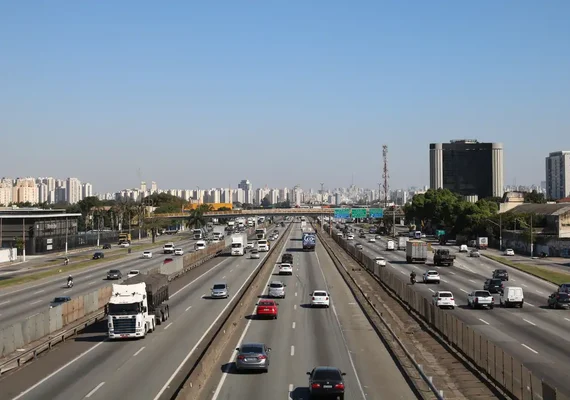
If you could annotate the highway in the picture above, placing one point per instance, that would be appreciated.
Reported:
(21, 301)
(303, 338)
(535, 335)
(93, 367)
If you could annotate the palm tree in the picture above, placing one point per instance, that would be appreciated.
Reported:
(197, 219)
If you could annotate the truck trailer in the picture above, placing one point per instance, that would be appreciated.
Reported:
(443, 257)
(309, 241)
(402, 240)
(416, 251)
(137, 306)
(238, 245)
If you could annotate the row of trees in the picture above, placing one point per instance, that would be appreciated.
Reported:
(442, 209)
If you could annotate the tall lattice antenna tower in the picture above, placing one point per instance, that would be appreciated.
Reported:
(385, 174)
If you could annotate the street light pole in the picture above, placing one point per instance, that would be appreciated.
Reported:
(24, 239)
(66, 229)
(500, 225)
(531, 244)
(322, 202)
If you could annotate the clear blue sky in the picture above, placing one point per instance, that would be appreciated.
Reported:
(277, 92)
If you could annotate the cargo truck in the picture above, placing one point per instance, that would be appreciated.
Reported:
(482, 243)
(124, 238)
(238, 245)
(198, 234)
(416, 251)
(442, 257)
(309, 241)
(137, 306)
(402, 240)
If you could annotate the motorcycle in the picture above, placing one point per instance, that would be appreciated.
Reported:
(69, 284)
(412, 280)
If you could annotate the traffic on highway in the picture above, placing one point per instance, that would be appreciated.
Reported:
(510, 307)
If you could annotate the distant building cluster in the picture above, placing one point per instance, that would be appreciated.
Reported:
(43, 190)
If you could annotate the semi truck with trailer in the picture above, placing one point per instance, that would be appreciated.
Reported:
(402, 240)
(137, 306)
(482, 242)
(309, 241)
(416, 251)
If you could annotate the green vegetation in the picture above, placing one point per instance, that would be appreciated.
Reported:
(547, 274)
(197, 220)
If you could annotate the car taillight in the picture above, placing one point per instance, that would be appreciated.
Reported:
(476, 299)
(492, 300)
(262, 357)
(315, 385)
(439, 298)
(326, 298)
(241, 357)
(452, 299)
(339, 386)
(313, 298)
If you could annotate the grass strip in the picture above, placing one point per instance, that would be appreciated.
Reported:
(544, 273)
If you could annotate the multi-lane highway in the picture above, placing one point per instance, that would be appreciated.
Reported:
(535, 335)
(303, 338)
(93, 367)
(20, 302)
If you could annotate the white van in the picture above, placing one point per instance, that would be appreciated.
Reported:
(200, 245)
(463, 248)
(262, 245)
(390, 245)
(512, 297)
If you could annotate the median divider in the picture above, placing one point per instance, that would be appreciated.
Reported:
(23, 341)
(488, 358)
(206, 358)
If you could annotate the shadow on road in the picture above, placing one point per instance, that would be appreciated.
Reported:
(300, 393)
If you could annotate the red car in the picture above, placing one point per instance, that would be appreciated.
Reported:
(267, 308)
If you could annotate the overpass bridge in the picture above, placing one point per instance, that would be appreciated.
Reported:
(266, 212)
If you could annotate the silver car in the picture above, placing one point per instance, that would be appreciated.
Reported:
(220, 291)
(277, 290)
(252, 356)
(254, 253)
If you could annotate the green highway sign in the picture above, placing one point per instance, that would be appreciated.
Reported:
(358, 212)
(343, 213)
(376, 212)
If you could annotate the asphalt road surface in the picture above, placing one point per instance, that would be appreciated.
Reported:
(93, 367)
(302, 338)
(534, 334)
(20, 302)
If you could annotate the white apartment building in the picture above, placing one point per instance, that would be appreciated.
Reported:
(73, 190)
(558, 175)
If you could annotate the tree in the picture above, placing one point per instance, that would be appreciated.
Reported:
(197, 219)
(534, 197)
(154, 225)
(266, 202)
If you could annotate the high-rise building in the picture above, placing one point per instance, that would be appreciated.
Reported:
(153, 187)
(248, 190)
(73, 190)
(467, 167)
(238, 196)
(24, 191)
(143, 186)
(558, 175)
(87, 190)
(6, 190)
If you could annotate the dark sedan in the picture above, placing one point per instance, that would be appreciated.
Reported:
(106, 246)
(287, 258)
(501, 274)
(559, 300)
(494, 285)
(326, 382)
(98, 255)
(114, 274)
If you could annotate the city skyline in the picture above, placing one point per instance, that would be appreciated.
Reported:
(310, 108)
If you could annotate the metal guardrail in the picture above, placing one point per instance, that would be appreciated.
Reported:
(428, 380)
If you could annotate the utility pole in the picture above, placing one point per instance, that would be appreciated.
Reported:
(385, 174)
(322, 203)
(24, 239)
(394, 220)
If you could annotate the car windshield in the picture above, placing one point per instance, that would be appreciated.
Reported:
(432, 273)
(60, 300)
(320, 294)
(249, 348)
(327, 374)
(482, 293)
(496, 282)
(114, 271)
(254, 252)
(133, 272)
(285, 265)
(443, 294)
(266, 303)
(500, 271)
(563, 296)
(220, 286)
(276, 285)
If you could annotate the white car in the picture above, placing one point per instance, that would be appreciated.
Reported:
(249, 245)
(178, 252)
(350, 237)
(147, 254)
(371, 240)
(285, 269)
(359, 246)
(125, 244)
(133, 272)
(431, 276)
(509, 252)
(339, 234)
(320, 298)
(444, 299)
(381, 261)
(378, 237)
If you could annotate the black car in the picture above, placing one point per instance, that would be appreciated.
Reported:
(564, 288)
(98, 255)
(114, 274)
(59, 301)
(494, 285)
(106, 246)
(501, 274)
(326, 381)
(559, 300)
(287, 258)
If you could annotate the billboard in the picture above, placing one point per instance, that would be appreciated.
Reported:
(214, 206)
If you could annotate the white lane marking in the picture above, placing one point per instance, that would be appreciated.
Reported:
(224, 277)
(4, 302)
(525, 285)
(514, 280)
(204, 274)
(295, 294)
(39, 291)
(341, 334)
(539, 292)
(525, 346)
(138, 351)
(222, 380)
(463, 290)
(35, 302)
(187, 308)
(58, 371)
(92, 282)
(402, 272)
(431, 290)
(295, 307)
(452, 273)
(292, 351)
(483, 321)
(168, 326)
(393, 266)
(471, 280)
(567, 319)
(231, 270)
(67, 291)
(443, 280)
(532, 323)
(95, 389)
(528, 304)
(293, 325)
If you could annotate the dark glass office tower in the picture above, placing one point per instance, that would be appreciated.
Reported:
(467, 167)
